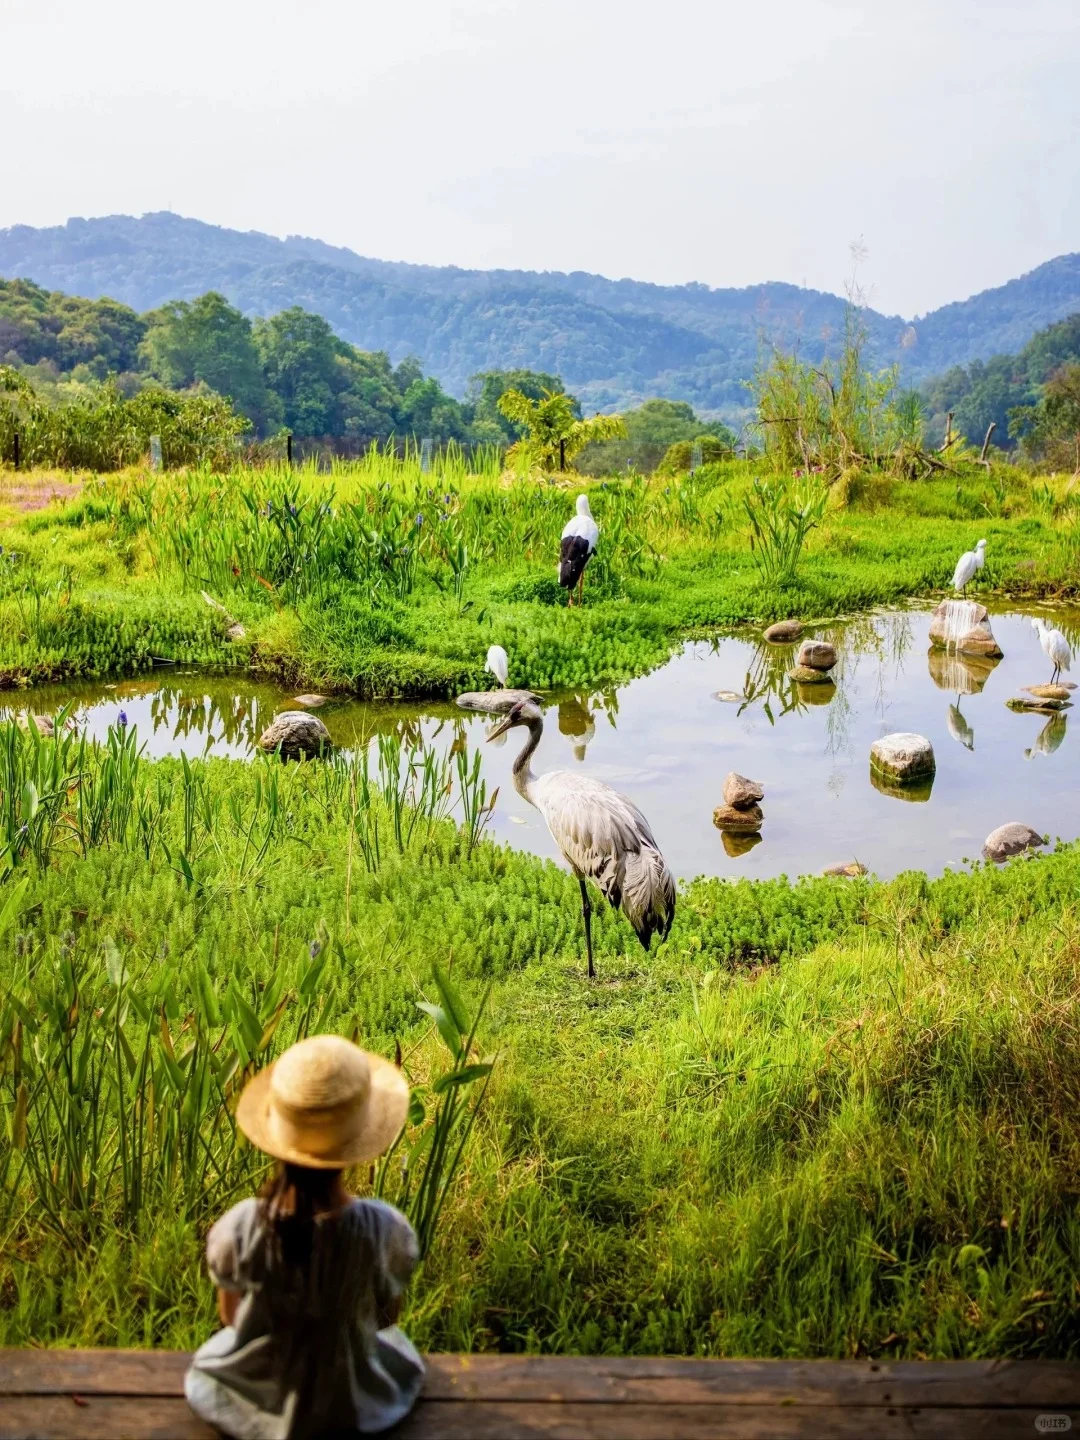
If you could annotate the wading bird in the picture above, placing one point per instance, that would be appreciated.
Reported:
(603, 837)
(578, 544)
(1055, 647)
(498, 664)
(967, 565)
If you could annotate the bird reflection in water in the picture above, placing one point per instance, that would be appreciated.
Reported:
(576, 722)
(959, 728)
(1048, 738)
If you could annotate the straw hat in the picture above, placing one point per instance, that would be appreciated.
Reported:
(324, 1103)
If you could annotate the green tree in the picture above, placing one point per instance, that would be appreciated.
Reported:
(651, 431)
(489, 421)
(553, 433)
(305, 365)
(208, 341)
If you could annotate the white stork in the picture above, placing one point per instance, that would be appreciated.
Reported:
(498, 664)
(603, 837)
(579, 539)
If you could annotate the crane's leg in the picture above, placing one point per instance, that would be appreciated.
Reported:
(581, 588)
(586, 910)
(570, 597)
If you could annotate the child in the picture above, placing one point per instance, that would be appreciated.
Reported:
(309, 1277)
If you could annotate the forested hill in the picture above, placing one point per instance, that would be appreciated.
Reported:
(613, 341)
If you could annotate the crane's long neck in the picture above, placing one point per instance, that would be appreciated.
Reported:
(524, 779)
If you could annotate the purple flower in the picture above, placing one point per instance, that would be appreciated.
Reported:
(314, 948)
(446, 499)
(419, 520)
(122, 719)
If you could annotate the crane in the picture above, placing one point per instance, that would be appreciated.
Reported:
(602, 835)
(967, 565)
(578, 543)
(1055, 647)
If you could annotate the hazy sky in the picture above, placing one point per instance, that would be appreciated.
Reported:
(674, 141)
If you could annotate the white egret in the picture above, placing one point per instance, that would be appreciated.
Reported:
(498, 664)
(967, 565)
(1055, 647)
(578, 543)
(602, 835)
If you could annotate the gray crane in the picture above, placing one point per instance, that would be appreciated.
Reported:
(603, 837)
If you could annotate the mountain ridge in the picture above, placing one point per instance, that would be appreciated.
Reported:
(615, 342)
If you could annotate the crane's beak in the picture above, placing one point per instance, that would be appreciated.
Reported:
(501, 729)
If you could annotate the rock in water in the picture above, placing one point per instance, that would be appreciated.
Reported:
(741, 793)
(903, 758)
(964, 627)
(807, 675)
(1049, 706)
(729, 697)
(296, 734)
(1050, 692)
(849, 869)
(817, 655)
(1011, 839)
(495, 702)
(309, 702)
(726, 817)
(784, 632)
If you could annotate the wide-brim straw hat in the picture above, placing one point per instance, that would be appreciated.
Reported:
(324, 1103)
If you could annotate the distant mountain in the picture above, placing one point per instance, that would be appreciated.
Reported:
(615, 342)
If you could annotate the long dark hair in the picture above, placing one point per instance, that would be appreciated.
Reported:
(309, 1291)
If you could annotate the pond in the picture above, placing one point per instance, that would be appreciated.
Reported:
(667, 741)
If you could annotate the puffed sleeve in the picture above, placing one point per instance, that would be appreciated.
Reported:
(229, 1246)
(399, 1253)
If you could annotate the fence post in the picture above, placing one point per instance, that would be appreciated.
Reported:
(288, 447)
(562, 454)
(155, 452)
(16, 449)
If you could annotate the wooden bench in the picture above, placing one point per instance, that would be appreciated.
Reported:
(138, 1395)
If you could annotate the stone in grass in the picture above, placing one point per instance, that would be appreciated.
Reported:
(1051, 692)
(848, 869)
(903, 758)
(726, 817)
(817, 655)
(740, 793)
(784, 632)
(1011, 839)
(807, 675)
(236, 631)
(1049, 705)
(46, 725)
(309, 702)
(296, 733)
(495, 702)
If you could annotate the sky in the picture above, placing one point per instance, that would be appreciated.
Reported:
(690, 140)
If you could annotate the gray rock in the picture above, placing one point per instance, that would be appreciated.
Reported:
(1038, 705)
(964, 627)
(495, 702)
(296, 734)
(817, 655)
(1050, 692)
(1011, 839)
(741, 793)
(309, 702)
(848, 869)
(903, 758)
(784, 632)
(726, 817)
(46, 725)
(807, 675)
(235, 632)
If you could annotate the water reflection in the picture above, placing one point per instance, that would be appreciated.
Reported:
(576, 721)
(959, 728)
(959, 674)
(1049, 738)
(739, 842)
(917, 794)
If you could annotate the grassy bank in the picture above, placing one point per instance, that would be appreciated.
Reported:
(826, 1118)
(382, 581)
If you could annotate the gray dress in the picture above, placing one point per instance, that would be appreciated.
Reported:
(333, 1370)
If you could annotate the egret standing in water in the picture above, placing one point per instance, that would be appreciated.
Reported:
(576, 548)
(603, 836)
(498, 664)
(968, 565)
(1055, 647)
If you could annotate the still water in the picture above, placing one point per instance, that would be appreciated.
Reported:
(667, 741)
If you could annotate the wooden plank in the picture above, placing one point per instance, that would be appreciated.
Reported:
(631, 1379)
(56, 1417)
